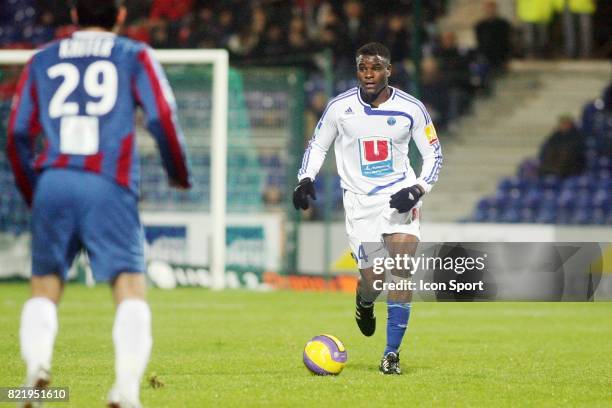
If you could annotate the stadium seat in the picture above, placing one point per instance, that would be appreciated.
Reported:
(546, 215)
(510, 215)
(532, 198)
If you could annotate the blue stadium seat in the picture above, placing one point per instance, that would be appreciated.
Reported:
(484, 204)
(551, 182)
(510, 183)
(528, 215)
(480, 215)
(598, 216)
(546, 215)
(602, 199)
(9, 35)
(604, 163)
(510, 215)
(532, 198)
(581, 216)
(528, 170)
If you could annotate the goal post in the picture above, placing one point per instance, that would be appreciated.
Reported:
(219, 59)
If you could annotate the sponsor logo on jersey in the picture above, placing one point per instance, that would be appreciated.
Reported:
(349, 111)
(376, 156)
(430, 133)
(391, 121)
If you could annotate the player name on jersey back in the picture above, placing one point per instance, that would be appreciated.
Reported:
(90, 47)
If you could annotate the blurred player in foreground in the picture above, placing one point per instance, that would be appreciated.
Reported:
(371, 126)
(82, 92)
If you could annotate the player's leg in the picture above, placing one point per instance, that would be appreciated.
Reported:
(54, 245)
(364, 300)
(398, 301)
(365, 245)
(112, 233)
(39, 327)
(131, 337)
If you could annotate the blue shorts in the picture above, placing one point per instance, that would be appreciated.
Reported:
(76, 210)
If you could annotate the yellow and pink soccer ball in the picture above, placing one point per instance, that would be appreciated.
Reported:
(325, 355)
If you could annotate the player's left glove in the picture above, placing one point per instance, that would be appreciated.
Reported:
(301, 193)
(405, 199)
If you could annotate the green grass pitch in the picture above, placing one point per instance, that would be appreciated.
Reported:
(240, 348)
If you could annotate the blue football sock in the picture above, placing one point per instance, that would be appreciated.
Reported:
(397, 321)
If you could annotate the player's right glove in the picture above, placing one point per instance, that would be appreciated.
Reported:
(304, 189)
(406, 198)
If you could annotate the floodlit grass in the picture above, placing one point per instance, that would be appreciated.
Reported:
(245, 348)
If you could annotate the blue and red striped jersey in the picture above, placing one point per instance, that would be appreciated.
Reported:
(83, 92)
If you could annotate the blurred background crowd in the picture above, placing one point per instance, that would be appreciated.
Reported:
(430, 59)
(275, 32)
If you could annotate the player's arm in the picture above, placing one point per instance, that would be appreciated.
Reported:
(314, 156)
(154, 94)
(23, 127)
(426, 140)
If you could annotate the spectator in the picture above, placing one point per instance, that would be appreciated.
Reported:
(332, 35)
(318, 102)
(274, 43)
(535, 15)
(225, 27)
(577, 18)
(433, 92)
(394, 34)
(297, 38)
(202, 32)
(171, 10)
(137, 10)
(59, 13)
(562, 154)
(357, 29)
(597, 122)
(272, 198)
(593, 115)
(493, 35)
(243, 43)
(167, 16)
(159, 35)
(259, 21)
(456, 67)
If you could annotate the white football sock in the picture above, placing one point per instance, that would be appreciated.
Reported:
(132, 338)
(37, 335)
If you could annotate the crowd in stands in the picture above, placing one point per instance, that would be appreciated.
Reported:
(276, 32)
(294, 33)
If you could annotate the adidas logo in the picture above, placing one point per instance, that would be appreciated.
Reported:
(349, 111)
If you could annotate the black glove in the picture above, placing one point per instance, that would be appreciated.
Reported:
(300, 195)
(406, 198)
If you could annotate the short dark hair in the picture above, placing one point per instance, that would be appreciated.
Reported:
(374, 48)
(97, 13)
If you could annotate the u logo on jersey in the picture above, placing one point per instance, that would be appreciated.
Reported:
(376, 156)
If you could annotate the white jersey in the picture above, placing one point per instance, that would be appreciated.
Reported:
(371, 144)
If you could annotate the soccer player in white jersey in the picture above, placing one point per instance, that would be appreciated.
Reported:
(371, 127)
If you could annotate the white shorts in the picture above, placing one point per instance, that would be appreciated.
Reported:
(368, 218)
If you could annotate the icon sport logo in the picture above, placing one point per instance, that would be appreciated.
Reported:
(430, 133)
(376, 156)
